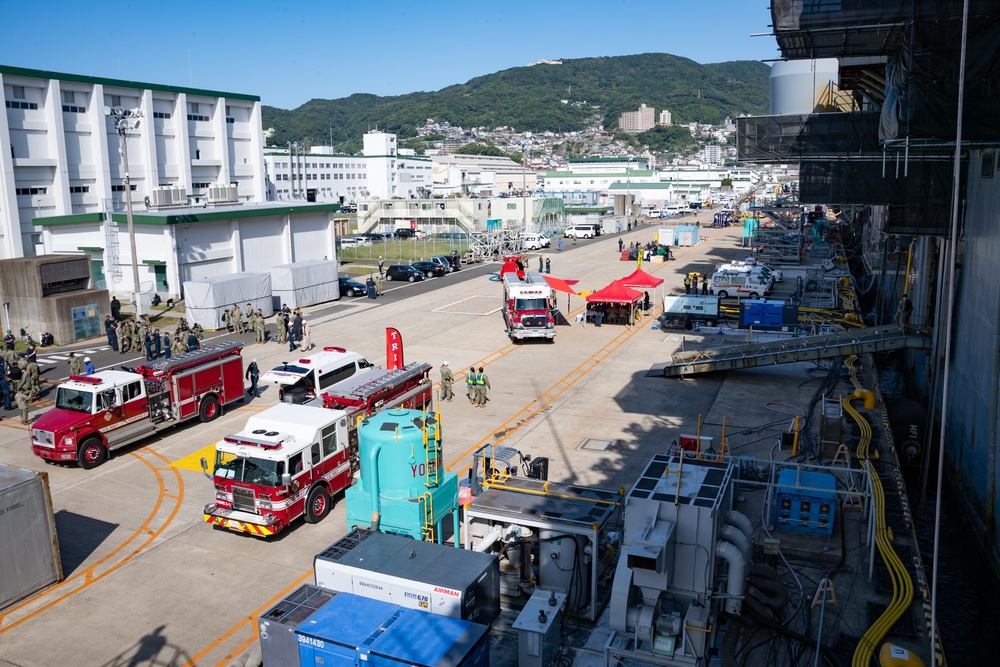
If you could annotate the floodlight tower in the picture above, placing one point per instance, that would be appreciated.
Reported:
(125, 120)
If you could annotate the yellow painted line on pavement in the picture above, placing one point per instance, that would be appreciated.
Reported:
(193, 461)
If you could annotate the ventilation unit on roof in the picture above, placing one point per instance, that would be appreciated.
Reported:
(223, 194)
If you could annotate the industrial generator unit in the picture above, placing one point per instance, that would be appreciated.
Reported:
(683, 560)
(414, 574)
(549, 536)
(277, 626)
(403, 488)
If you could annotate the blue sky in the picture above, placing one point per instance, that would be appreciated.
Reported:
(289, 53)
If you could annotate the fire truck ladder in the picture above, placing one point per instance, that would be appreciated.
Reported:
(180, 360)
(391, 378)
(807, 348)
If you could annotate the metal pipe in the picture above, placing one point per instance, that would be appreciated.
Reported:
(956, 183)
(736, 584)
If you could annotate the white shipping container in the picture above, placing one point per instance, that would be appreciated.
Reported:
(29, 548)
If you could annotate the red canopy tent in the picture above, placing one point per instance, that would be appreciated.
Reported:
(617, 294)
(639, 279)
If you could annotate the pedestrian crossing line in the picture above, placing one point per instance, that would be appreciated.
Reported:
(56, 357)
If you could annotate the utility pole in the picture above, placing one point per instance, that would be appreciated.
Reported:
(125, 120)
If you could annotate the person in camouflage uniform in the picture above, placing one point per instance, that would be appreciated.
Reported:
(74, 364)
(34, 387)
(279, 319)
(237, 319)
(22, 404)
(136, 342)
(122, 339)
(178, 346)
(258, 327)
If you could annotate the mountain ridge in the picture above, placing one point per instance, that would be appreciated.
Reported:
(538, 98)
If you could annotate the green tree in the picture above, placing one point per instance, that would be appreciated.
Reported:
(479, 149)
(664, 139)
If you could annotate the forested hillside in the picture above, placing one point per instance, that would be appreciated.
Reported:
(543, 97)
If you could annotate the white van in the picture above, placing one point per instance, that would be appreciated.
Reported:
(581, 231)
(303, 380)
(676, 209)
(535, 241)
(731, 282)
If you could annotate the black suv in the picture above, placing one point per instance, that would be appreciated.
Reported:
(404, 233)
(403, 272)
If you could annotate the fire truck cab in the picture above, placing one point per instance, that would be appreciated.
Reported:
(95, 414)
(527, 307)
(304, 379)
(288, 462)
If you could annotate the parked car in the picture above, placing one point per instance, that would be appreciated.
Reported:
(445, 261)
(403, 272)
(405, 233)
(354, 242)
(430, 269)
(348, 208)
(375, 237)
(350, 287)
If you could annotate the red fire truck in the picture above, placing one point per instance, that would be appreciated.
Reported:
(527, 307)
(97, 413)
(291, 459)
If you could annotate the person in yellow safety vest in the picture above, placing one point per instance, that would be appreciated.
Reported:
(470, 385)
(482, 384)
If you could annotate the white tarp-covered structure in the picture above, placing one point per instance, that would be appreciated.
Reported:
(302, 284)
(206, 300)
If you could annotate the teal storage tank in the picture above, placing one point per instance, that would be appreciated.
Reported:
(403, 488)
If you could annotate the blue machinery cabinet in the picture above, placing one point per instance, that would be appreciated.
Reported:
(805, 502)
(351, 631)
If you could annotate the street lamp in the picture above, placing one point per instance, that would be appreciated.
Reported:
(628, 191)
(125, 120)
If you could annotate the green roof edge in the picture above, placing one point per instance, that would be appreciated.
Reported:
(80, 78)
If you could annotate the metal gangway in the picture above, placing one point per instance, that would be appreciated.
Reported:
(791, 350)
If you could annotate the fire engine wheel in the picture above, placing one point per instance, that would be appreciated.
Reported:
(91, 454)
(209, 409)
(723, 294)
(317, 505)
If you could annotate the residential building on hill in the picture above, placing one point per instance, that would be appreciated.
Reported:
(638, 121)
